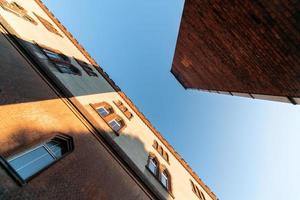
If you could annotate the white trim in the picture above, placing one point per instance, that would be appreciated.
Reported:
(163, 175)
(152, 163)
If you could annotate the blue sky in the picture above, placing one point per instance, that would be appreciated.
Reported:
(242, 148)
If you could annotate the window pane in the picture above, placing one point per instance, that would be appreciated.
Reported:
(53, 55)
(115, 125)
(164, 180)
(152, 166)
(58, 148)
(102, 111)
(31, 162)
(64, 68)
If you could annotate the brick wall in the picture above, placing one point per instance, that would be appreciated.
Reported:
(240, 46)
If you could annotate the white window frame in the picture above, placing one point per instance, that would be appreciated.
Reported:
(166, 178)
(106, 111)
(28, 151)
(152, 163)
(118, 123)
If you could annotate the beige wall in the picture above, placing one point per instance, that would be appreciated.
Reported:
(136, 139)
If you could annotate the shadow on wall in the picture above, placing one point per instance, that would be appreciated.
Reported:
(95, 169)
(32, 112)
(70, 76)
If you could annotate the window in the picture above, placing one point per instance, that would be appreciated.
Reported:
(197, 192)
(30, 19)
(17, 5)
(164, 179)
(115, 125)
(128, 114)
(193, 187)
(123, 109)
(63, 68)
(18, 10)
(53, 55)
(103, 109)
(32, 161)
(161, 151)
(160, 172)
(118, 103)
(48, 25)
(103, 112)
(166, 156)
(60, 61)
(152, 165)
(86, 68)
(67, 68)
(155, 144)
(106, 112)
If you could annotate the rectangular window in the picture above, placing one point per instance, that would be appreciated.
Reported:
(53, 55)
(89, 71)
(164, 180)
(103, 112)
(56, 148)
(34, 160)
(115, 125)
(61, 62)
(152, 166)
(31, 162)
(63, 68)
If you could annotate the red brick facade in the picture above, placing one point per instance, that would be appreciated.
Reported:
(240, 46)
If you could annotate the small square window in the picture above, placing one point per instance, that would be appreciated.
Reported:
(103, 111)
(115, 125)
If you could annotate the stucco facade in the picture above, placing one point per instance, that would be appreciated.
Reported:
(40, 101)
